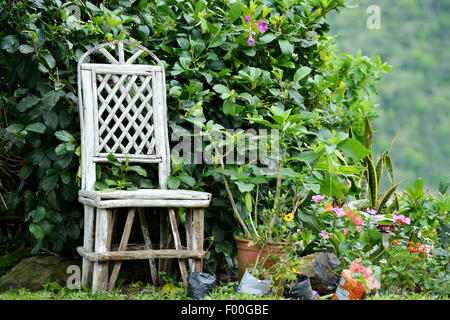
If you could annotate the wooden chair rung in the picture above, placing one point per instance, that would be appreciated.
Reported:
(176, 237)
(148, 246)
(122, 247)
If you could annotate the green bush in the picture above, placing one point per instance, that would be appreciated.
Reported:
(212, 74)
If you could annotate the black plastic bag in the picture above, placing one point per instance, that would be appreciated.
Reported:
(200, 284)
(300, 290)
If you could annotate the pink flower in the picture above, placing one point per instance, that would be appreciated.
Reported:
(383, 261)
(262, 26)
(339, 211)
(317, 198)
(358, 221)
(355, 246)
(251, 40)
(371, 211)
(402, 219)
(324, 234)
(349, 183)
(358, 229)
(346, 230)
(428, 189)
(246, 18)
(419, 235)
(367, 273)
(315, 294)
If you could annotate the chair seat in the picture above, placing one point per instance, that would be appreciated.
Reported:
(145, 198)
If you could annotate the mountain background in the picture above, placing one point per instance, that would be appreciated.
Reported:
(414, 98)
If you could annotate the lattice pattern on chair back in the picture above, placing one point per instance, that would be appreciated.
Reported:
(122, 106)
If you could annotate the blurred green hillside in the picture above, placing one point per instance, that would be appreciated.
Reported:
(414, 99)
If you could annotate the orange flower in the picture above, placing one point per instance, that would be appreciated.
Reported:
(411, 243)
(395, 241)
(416, 257)
(422, 252)
(419, 245)
(328, 207)
(411, 249)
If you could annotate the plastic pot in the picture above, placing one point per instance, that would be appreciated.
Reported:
(251, 285)
(200, 284)
(300, 290)
(349, 288)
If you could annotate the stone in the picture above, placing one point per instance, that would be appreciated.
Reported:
(33, 273)
(319, 270)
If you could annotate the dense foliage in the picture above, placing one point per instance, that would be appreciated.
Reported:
(214, 75)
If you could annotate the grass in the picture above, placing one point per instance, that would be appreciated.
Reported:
(140, 291)
(135, 291)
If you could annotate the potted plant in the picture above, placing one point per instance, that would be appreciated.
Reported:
(264, 200)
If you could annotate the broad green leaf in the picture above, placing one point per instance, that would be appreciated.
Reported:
(113, 160)
(267, 38)
(244, 187)
(190, 181)
(48, 183)
(10, 43)
(51, 62)
(307, 156)
(138, 169)
(37, 127)
(63, 136)
(173, 182)
(224, 91)
(235, 11)
(50, 99)
(37, 231)
(100, 185)
(14, 128)
(301, 73)
(286, 47)
(25, 48)
(353, 149)
(28, 102)
(228, 107)
(38, 214)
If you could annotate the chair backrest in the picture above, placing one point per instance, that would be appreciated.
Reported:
(122, 109)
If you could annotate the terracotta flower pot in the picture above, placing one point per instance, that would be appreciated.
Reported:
(246, 255)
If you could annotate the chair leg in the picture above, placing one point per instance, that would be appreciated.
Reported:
(148, 245)
(122, 247)
(165, 243)
(178, 246)
(189, 236)
(198, 236)
(103, 228)
(88, 244)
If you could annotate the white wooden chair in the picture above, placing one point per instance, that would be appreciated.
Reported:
(123, 111)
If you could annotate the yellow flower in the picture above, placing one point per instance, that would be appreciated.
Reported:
(328, 207)
(295, 271)
(168, 288)
(288, 217)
